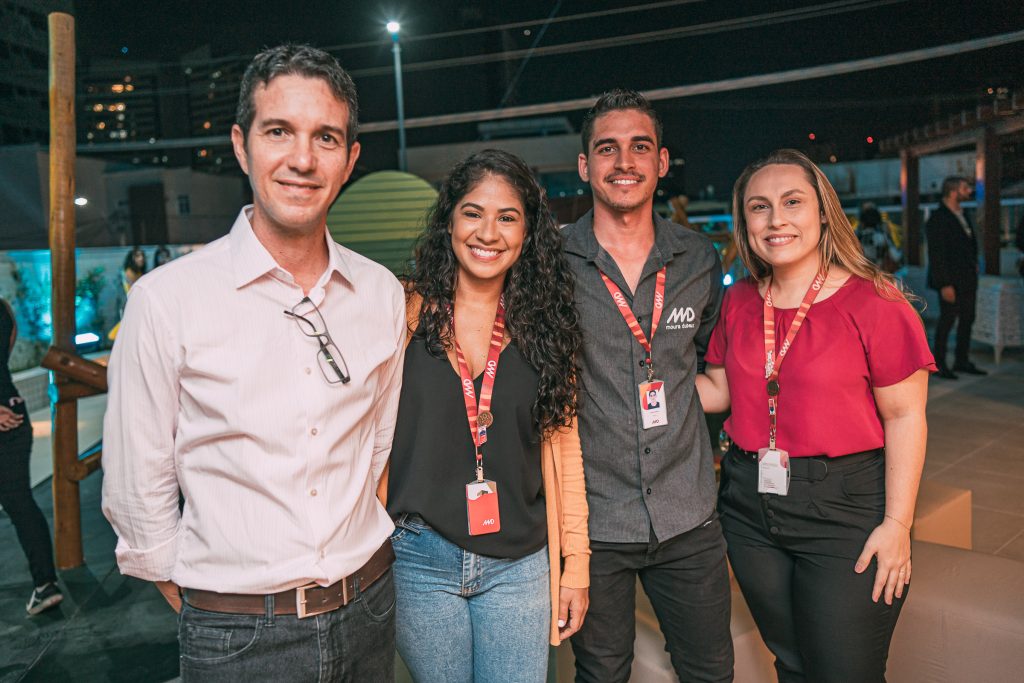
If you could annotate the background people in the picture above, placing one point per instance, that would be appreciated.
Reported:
(953, 271)
(15, 485)
(491, 301)
(876, 241)
(259, 376)
(649, 293)
(161, 256)
(825, 365)
(134, 267)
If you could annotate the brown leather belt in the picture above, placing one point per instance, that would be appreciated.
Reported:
(304, 601)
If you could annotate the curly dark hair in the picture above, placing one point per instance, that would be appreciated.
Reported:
(540, 313)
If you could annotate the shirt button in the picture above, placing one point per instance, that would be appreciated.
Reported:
(308, 370)
(647, 451)
(641, 363)
(313, 431)
(313, 492)
(770, 513)
(774, 530)
(648, 491)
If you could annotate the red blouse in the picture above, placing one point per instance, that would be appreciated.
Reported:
(849, 343)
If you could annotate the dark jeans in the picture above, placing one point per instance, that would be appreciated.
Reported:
(961, 312)
(687, 581)
(355, 643)
(17, 501)
(793, 557)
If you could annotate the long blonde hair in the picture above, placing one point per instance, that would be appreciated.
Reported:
(838, 245)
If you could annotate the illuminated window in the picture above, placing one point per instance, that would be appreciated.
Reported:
(117, 87)
(206, 125)
(101, 125)
(97, 107)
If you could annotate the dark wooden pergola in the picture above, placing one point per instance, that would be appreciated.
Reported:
(984, 128)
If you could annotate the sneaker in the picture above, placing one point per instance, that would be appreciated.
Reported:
(43, 598)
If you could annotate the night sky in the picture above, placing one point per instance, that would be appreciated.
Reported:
(715, 134)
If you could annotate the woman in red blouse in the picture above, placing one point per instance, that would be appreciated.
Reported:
(825, 366)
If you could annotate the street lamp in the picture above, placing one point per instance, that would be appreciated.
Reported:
(396, 49)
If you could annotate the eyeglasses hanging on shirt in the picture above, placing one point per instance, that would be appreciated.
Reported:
(311, 322)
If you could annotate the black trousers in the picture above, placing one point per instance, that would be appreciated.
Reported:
(17, 501)
(687, 581)
(793, 557)
(962, 313)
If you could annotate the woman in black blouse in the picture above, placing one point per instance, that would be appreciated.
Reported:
(486, 475)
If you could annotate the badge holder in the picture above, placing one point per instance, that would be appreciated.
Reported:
(482, 506)
(773, 471)
(653, 411)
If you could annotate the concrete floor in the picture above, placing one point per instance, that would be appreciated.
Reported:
(115, 628)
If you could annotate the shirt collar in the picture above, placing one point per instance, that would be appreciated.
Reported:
(582, 241)
(250, 260)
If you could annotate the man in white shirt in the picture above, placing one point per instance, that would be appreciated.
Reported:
(260, 377)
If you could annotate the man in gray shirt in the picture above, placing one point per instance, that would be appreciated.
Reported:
(649, 293)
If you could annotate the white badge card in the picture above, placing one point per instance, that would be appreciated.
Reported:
(773, 471)
(652, 404)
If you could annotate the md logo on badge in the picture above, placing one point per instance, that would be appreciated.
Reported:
(681, 318)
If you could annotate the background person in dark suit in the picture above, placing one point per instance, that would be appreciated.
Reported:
(953, 271)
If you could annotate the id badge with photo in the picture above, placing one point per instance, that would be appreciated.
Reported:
(652, 404)
(773, 471)
(482, 507)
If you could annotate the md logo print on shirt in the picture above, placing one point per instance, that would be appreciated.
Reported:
(681, 318)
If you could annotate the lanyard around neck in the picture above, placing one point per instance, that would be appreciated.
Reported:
(773, 361)
(479, 415)
(631, 321)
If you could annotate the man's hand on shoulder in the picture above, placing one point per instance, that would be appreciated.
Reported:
(171, 593)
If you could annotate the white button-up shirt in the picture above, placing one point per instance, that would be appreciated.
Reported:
(218, 393)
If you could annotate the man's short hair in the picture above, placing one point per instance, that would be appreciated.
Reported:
(297, 60)
(616, 100)
(952, 184)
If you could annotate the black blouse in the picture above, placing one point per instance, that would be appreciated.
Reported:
(432, 456)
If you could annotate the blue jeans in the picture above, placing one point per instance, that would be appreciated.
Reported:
(466, 617)
(355, 643)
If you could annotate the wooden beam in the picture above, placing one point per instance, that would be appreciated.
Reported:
(910, 194)
(67, 522)
(965, 138)
(73, 366)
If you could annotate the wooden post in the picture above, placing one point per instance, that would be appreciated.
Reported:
(67, 520)
(988, 171)
(910, 191)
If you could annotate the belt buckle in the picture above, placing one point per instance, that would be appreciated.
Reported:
(302, 610)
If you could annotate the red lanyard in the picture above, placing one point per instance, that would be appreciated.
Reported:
(631, 321)
(772, 363)
(480, 417)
